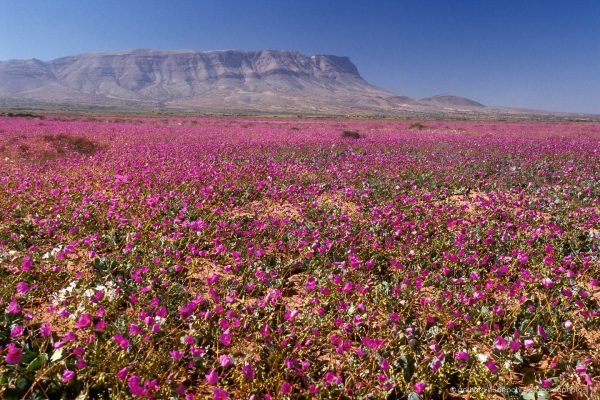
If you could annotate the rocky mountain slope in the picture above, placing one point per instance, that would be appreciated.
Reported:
(231, 81)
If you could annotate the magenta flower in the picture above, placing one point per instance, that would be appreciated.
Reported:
(286, 388)
(515, 345)
(225, 338)
(212, 378)
(542, 332)
(220, 394)
(500, 343)
(225, 360)
(68, 375)
(121, 341)
(491, 366)
(419, 387)
(16, 331)
(546, 383)
(84, 321)
(13, 307)
(248, 371)
(46, 330)
(461, 356)
(13, 354)
(22, 288)
(122, 373)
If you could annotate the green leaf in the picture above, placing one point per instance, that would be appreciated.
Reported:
(36, 363)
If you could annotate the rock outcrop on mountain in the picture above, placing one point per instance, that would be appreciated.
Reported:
(229, 81)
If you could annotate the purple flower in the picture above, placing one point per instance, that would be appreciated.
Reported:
(84, 321)
(68, 375)
(461, 356)
(16, 331)
(13, 354)
(122, 373)
(491, 366)
(435, 365)
(13, 307)
(384, 365)
(176, 354)
(121, 341)
(515, 345)
(212, 377)
(419, 387)
(225, 338)
(248, 371)
(220, 394)
(46, 329)
(546, 383)
(134, 329)
(542, 332)
(500, 343)
(225, 361)
(22, 288)
(286, 388)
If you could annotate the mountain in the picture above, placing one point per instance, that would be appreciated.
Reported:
(230, 81)
(446, 100)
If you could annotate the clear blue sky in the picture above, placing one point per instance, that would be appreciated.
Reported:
(541, 54)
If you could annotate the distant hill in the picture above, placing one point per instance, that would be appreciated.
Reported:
(230, 81)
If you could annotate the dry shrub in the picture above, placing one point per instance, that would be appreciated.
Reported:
(416, 126)
(351, 135)
(72, 144)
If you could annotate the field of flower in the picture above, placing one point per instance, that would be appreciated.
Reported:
(281, 258)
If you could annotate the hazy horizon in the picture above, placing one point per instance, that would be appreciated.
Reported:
(537, 55)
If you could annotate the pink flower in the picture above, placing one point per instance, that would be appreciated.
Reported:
(515, 345)
(16, 331)
(248, 371)
(461, 356)
(84, 321)
(100, 325)
(46, 329)
(384, 365)
(286, 388)
(68, 375)
(435, 365)
(500, 343)
(542, 332)
(212, 378)
(122, 373)
(134, 329)
(546, 383)
(225, 338)
(419, 387)
(225, 361)
(121, 341)
(13, 354)
(13, 307)
(22, 288)
(491, 366)
(547, 282)
(220, 394)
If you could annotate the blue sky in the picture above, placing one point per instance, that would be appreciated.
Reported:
(527, 53)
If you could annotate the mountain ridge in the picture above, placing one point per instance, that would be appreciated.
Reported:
(238, 81)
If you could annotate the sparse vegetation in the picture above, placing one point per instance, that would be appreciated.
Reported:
(351, 134)
(416, 126)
